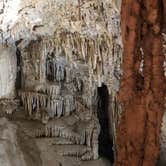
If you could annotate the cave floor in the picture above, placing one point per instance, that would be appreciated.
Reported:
(44, 151)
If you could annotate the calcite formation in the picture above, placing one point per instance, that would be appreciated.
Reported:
(65, 50)
(56, 55)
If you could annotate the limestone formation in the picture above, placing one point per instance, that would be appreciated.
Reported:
(73, 71)
(58, 53)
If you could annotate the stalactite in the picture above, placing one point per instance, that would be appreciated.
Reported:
(78, 152)
(73, 135)
(83, 46)
(32, 100)
(69, 104)
(60, 106)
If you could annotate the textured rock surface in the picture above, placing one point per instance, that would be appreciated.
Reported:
(10, 151)
(142, 88)
(65, 51)
(8, 69)
(19, 149)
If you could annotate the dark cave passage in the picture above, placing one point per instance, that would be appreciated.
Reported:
(18, 78)
(105, 139)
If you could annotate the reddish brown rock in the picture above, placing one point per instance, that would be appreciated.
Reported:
(141, 93)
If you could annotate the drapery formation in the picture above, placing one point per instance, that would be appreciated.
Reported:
(142, 85)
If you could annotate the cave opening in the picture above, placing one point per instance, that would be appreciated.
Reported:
(105, 138)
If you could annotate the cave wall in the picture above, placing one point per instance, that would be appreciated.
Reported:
(83, 34)
(88, 34)
(142, 89)
(8, 70)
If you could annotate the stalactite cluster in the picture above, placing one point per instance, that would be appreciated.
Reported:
(63, 96)
(64, 58)
(55, 106)
(142, 91)
(82, 132)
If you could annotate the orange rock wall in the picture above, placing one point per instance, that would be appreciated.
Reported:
(142, 92)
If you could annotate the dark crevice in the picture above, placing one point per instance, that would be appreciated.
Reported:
(105, 139)
(18, 78)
